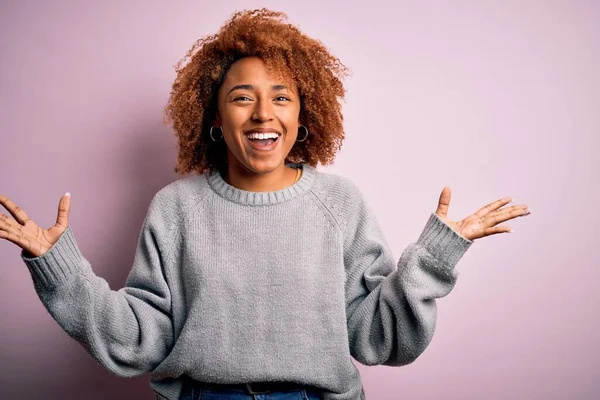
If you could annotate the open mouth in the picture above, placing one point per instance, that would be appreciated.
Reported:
(263, 142)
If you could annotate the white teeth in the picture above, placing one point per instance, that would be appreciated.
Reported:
(267, 135)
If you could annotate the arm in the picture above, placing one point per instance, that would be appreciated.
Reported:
(128, 331)
(391, 308)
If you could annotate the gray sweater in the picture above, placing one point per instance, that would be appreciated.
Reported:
(231, 286)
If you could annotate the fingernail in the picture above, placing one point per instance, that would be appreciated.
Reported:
(511, 231)
(68, 194)
(527, 213)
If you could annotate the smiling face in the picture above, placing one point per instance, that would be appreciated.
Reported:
(252, 101)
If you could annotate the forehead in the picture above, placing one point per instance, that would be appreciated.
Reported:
(253, 71)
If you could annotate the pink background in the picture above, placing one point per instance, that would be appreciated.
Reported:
(492, 99)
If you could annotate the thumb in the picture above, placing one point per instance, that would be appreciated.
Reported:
(444, 203)
(64, 207)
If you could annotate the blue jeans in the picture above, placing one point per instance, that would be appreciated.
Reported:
(202, 393)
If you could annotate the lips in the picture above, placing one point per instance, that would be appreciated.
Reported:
(262, 130)
(259, 147)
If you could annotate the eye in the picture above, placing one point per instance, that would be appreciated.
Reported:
(241, 98)
(282, 97)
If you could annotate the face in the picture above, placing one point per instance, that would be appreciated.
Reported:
(251, 101)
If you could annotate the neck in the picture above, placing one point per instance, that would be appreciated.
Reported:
(243, 179)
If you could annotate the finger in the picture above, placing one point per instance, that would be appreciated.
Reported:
(64, 208)
(7, 223)
(508, 209)
(492, 206)
(496, 229)
(17, 212)
(11, 226)
(17, 239)
(444, 202)
(499, 217)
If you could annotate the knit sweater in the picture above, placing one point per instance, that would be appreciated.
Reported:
(232, 286)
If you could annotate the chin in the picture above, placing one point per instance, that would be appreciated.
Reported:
(264, 166)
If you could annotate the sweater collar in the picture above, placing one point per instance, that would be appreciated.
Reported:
(244, 197)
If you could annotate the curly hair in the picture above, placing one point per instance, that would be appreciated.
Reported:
(287, 52)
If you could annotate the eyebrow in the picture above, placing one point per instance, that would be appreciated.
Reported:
(250, 87)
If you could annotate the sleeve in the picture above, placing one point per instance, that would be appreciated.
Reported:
(391, 308)
(128, 331)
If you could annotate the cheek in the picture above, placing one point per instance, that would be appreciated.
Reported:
(290, 118)
(234, 117)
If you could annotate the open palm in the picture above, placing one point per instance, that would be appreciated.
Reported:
(483, 222)
(28, 235)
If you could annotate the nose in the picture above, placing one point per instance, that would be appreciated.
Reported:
(263, 111)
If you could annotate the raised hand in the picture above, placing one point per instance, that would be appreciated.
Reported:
(28, 235)
(483, 222)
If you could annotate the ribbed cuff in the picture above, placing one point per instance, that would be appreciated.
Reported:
(59, 264)
(443, 242)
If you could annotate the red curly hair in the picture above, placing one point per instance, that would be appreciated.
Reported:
(286, 52)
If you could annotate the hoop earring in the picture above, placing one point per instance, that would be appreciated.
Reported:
(211, 133)
(306, 129)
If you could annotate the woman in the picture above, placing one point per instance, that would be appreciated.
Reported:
(259, 276)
